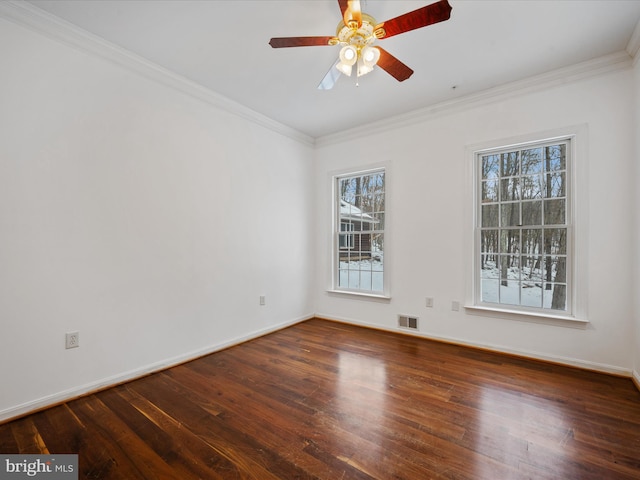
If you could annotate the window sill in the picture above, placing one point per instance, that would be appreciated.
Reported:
(363, 295)
(506, 313)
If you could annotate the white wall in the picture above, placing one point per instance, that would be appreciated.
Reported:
(144, 218)
(427, 247)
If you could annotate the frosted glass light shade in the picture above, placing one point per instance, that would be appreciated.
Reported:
(370, 56)
(348, 57)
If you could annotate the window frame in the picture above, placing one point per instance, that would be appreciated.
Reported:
(576, 310)
(336, 233)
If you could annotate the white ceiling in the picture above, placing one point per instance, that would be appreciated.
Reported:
(223, 45)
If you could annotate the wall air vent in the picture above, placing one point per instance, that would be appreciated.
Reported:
(405, 321)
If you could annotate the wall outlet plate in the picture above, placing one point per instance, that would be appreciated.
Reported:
(72, 340)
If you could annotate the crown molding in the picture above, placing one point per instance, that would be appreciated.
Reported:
(599, 66)
(36, 19)
(634, 43)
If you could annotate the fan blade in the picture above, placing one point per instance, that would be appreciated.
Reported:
(393, 66)
(330, 78)
(422, 17)
(344, 4)
(283, 42)
(353, 13)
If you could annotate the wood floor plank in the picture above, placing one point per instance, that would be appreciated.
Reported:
(249, 455)
(120, 442)
(236, 409)
(28, 438)
(178, 448)
(325, 400)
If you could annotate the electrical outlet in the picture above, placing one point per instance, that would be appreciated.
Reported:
(263, 300)
(455, 306)
(72, 340)
(429, 302)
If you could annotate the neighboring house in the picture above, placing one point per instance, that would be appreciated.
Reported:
(355, 242)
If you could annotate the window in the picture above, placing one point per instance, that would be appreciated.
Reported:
(359, 232)
(523, 234)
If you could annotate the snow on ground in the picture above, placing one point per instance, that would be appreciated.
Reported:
(362, 275)
(524, 287)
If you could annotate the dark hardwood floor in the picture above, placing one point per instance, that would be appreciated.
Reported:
(331, 401)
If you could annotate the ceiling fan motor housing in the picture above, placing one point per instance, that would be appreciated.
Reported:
(359, 37)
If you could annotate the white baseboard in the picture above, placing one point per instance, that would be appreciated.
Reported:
(571, 362)
(636, 378)
(75, 392)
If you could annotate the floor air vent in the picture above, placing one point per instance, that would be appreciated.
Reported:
(404, 321)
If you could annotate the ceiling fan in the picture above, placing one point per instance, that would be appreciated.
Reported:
(357, 32)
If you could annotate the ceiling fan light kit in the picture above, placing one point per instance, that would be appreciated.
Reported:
(356, 33)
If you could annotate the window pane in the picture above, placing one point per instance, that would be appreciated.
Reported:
(510, 164)
(531, 241)
(346, 212)
(490, 215)
(531, 295)
(377, 247)
(509, 189)
(555, 269)
(555, 296)
(490, 167)
(556, 158)
(366, 206)
(354, 279)
(378, 221)
(348, 190)
(555, 241)
(343, 280)
(531, 187)
(489, 191)
(531, 213)
(377, 281)
(555, 185)
(510, 293)
(510, 214)
(365, 279)
(378, 182)
(509, 241)
(489, 241)
(554, 212)
(489, 289)
(532, 161)
(560, 269)
(509, 268)
(357, 243)
(531, 271)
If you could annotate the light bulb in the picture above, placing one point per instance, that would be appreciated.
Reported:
(348, 55)
(370, 56)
